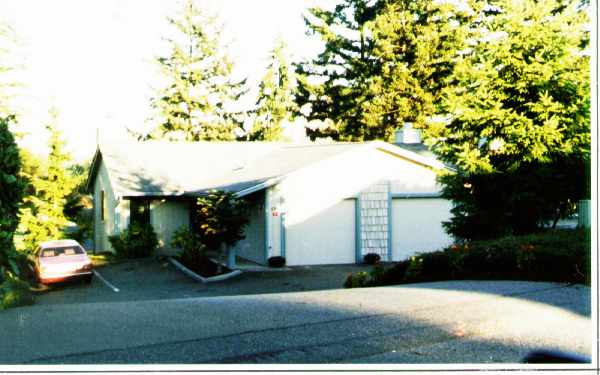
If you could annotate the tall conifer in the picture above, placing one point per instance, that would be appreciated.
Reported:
(198, 100)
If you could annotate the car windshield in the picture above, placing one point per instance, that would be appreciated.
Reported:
(61, 251)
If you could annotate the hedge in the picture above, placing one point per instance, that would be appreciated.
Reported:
(556, 255)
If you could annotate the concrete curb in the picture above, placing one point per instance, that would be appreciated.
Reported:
(201, 279)
(264, 269)
(254, 269)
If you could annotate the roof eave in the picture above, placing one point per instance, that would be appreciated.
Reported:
(410, 155)
(134, 194)
(263, 185)
(93, 170)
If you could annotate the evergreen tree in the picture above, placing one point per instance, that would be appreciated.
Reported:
(42, 215)
(275, 99)
(417, 44)
(518, 128)
(334, 86)
(197, 102)
(522, 94)
(7, 81)
(11, 194)
(384, 63)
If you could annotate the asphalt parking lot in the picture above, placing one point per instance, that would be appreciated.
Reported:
(157, 279)
(461, 322)
(300, 316)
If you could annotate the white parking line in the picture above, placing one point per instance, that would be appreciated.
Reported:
(114, 288)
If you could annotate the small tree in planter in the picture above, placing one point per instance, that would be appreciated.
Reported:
(192, 252)
(220, 220)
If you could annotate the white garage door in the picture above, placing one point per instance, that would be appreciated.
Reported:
(326, 238)
(417, 226)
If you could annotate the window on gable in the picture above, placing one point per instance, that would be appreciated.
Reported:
(102, 205)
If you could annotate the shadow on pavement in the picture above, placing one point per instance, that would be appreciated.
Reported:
(381, 325)
(578, 302)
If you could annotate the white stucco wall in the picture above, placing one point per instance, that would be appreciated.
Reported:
(274, 208)
(167, 216)
(106, 227)
(309, 192)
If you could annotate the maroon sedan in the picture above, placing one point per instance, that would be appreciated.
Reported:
(62, 260)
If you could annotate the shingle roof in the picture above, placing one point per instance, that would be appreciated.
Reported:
(191, 168)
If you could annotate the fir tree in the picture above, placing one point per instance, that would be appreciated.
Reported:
(384, 63)
(42, 215)
(522, 94)
(11, 194)
(334, 85)
(417, 44)
(199, 98)
(518, 126)
(7, 82)
(275, 103)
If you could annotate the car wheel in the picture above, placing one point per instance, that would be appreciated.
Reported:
(88, 279)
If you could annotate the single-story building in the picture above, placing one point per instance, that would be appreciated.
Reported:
(317, 203)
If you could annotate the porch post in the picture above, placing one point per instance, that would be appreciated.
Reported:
(231, 257)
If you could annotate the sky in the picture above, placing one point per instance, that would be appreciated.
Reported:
(93, 60)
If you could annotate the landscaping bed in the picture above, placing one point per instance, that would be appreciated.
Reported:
(204, 267)
(557, 255)
(204, 270)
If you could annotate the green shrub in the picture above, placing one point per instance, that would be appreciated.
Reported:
(395, 274)
(137, 241)
(191, 249)
(26, 266)
(414, 270)
(15, 293)
(357, 280)
(276, 262)
(558, 255)
(376, 275)
(371, 258)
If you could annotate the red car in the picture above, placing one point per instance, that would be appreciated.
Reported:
(62, 260)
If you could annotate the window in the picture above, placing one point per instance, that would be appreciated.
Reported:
(102, 198)
(140, 212)
(58, 251)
